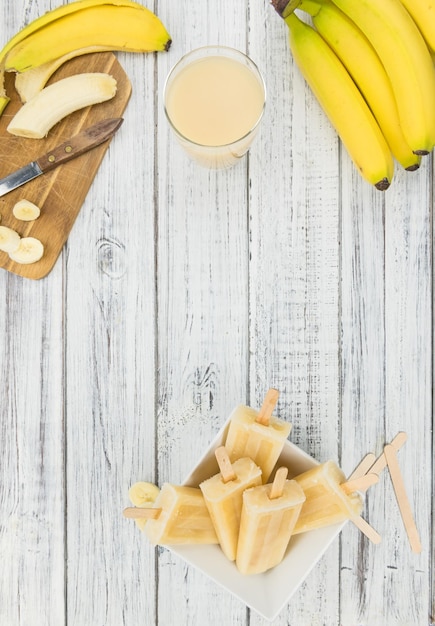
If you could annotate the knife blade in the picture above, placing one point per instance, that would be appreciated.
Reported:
(78, 144)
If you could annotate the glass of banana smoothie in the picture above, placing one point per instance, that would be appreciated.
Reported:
(214, 100)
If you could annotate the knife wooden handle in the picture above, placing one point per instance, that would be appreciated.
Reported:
(80, 143)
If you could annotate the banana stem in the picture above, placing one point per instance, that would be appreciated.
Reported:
(285, 7)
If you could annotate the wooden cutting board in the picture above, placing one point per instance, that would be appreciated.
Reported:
(61, 192)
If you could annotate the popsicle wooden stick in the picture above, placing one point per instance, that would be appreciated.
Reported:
(134, 512)
(225, 466)
(402, 498)
(360, 484)
(360, 471)
(363, 467)
(278, 483)
(366, 529)
(269, 403)
(381, 462)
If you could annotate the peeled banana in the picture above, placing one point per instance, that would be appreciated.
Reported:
(35, 118)
(80, 25)
(342, 102)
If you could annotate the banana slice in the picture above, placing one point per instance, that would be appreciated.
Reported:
(9, 239)
(26, 211)
(143, 495)
(29, 250)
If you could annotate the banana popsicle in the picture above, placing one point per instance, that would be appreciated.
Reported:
(269, 515)
(330, 498)
(223, 495)
(179, 516)
(258, 435)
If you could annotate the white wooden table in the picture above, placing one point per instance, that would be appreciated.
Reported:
(183, 292)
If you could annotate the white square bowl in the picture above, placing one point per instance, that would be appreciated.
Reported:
(269, 592)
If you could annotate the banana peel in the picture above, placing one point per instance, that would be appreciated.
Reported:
(34, 26)
(29, 84)
(50, 30)
(124, 28)
(4, 100)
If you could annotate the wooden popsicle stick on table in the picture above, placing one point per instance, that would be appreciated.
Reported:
(402, 498)
(359, 480)
(366, 529)
(363, 467)
(381, 462)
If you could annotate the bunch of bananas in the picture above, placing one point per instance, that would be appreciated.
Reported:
(80, 27)
(370, 65)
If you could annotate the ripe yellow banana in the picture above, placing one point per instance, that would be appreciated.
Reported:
(365, 67)
(342, 102)
(35, 118)
(407, 61)
(110, 27)
(48, 17)
(423, 14)
(57, 15)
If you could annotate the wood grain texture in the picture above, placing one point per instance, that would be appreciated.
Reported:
(294, 279)
(56, 193)
(32, 498)
(181, 293)
(202, 307)
(110, 296)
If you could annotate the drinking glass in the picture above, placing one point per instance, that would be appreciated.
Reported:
(214, 100)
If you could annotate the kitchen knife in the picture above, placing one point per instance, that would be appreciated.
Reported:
(80, 143)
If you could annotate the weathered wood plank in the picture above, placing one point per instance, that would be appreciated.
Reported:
(32, 499)
(362, 376)
(202, 308)
(294, 278)
(408, 323)
(110, 371)
(388, 290)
